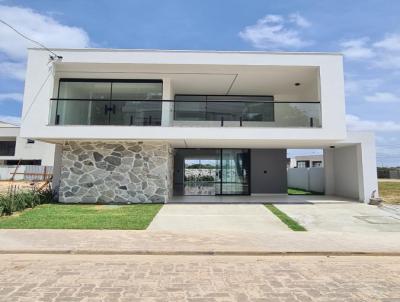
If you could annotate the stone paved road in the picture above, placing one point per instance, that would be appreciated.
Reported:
(198, 278)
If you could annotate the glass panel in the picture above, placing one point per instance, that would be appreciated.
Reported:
(231, 108)
(136, 91)
(234, 108)
(139, 113)
(85, 90)
(190, 108)
(197, 172)
(201, 176)
(235, 171)
(297, 115)
(82, 112)
(258, 112)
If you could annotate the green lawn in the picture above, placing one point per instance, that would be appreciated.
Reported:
(295, 191)
(61, 216)
(390, 191)
(292, 224)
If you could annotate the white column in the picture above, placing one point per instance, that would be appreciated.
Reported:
(167, 107)
(329, 170)
(57, 167)
(367, 154)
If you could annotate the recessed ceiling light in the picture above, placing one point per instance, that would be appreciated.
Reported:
(296, 84)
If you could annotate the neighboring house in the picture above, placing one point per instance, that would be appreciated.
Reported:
(17, 150)
(127, 122)
(307, 161)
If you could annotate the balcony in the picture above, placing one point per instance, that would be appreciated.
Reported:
(231, 112)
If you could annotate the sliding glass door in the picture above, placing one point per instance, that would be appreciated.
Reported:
(211, 172)
(235, 171)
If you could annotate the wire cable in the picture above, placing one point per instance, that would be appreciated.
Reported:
(29, 39)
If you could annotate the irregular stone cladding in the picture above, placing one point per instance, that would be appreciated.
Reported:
(115, 172)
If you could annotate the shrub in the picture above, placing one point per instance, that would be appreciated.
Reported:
(20, 200)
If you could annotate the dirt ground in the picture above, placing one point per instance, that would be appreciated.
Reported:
(21, 184)
(388, 180)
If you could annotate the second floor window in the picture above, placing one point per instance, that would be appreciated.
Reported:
(7, 148)
(303, 164)
(108, 102)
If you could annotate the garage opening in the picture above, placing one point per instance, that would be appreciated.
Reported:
(306, 174)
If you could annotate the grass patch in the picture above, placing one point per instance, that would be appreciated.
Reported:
(63, 216)
(292, 224)
(390, 191)
(296, 191)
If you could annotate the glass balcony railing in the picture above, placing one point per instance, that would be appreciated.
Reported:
(185, 113)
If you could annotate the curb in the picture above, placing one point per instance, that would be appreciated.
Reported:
(198, 253)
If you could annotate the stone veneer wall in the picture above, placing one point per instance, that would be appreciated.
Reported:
(120, 172)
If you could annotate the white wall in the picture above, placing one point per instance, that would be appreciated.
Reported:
(350, 168)
(38, 150)
(57, 167)
(309, 179)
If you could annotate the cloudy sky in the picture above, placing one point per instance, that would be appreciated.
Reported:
(367, 32)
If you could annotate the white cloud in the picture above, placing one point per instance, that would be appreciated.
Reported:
(354, 85)
(16, 120)
(391, 42)
(299, 20)
(42, 28)
(276, 32)
(36, 26)
(357, 49)
(385, 53)
(383, 97)
(13, 70)
(11, 96)
(354, 123)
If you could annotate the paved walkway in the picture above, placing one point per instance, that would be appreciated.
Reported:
(159, 242)
(91, 278)
(216, 218)
(261, 199)
(345, 217)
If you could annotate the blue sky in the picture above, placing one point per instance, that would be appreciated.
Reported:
(367, 32)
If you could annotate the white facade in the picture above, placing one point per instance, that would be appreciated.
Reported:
(25, 150)
(186, 72)
(307, 90)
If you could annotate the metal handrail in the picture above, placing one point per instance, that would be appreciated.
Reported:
(183, 101)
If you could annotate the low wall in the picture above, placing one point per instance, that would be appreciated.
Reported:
(309, 179)
(6, 172)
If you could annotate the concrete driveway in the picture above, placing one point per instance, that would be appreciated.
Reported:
(216, 217)
(342, 217)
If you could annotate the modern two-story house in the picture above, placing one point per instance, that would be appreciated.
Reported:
(136, 126)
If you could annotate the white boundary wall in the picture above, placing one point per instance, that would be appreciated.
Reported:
(6, 172)
(309, 179)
